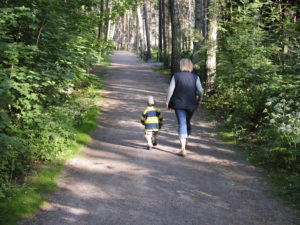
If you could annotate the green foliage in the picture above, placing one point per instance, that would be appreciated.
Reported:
(227, 137)
(257, 84)
(162, 69)
(155, 54)
(186, 54)
(282, 127)
(106, 47)
(28, 198)
(24, 200)
(45, 51)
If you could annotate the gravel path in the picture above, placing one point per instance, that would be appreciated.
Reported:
(118, 182)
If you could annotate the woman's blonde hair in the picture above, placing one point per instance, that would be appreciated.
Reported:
(186, 65)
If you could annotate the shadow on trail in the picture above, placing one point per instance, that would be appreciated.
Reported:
(118, 182)
(112, 195)
(148, 192)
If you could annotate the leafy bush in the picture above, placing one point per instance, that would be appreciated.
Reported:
(257, 84)
(45, 50)
(281, 127)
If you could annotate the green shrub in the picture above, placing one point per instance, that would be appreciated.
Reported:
(257, 85)
(45, 51)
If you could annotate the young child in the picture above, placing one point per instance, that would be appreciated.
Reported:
(152, 120)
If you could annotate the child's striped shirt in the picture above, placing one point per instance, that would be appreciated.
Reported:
(152, 119)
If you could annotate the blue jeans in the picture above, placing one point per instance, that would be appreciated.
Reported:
(184, 117)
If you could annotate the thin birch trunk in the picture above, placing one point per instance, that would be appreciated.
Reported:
(147, 32)
(112, 32)
(128, 31)
(119, 34)
(150, 22)
(137, 33)
(100, 29)
(141, 30)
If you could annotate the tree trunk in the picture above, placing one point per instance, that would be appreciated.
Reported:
(133, 31)
(147, 32)
(155, 29)
(190, 44)
(137, 33)
(112, 31)
(176, 49)
(123, 27)
(100, 29)
(211, 61)
(204, 28)
(128, 31)
(164, 32)
(160, 29)
(149, 22)
(198, 27)
(119, 35)
(182, 40)
(141, 30)
(108, 22)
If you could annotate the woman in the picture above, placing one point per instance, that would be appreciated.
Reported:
(182, 97)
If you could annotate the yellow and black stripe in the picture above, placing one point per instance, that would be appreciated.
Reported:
(152, 119)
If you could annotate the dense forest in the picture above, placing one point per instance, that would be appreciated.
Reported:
(246, 53)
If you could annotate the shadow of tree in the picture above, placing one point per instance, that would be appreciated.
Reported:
(117, 181)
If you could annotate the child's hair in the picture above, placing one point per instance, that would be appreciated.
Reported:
(150, 100)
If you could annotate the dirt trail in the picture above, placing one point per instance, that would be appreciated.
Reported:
(118, 182)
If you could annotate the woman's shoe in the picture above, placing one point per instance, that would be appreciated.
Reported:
(182, 153)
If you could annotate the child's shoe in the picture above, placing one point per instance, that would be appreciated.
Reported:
(153, 139)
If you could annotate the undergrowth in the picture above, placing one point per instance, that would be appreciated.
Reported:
(284, 183)
(162, 69)
(70, 125)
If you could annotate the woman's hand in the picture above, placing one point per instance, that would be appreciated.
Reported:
(167, 107)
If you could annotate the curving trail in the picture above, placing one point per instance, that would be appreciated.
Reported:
(118, 182)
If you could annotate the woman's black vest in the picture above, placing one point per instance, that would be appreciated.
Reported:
(184, 95)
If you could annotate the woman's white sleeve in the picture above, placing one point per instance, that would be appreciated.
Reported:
(170, 90)
(199, 87)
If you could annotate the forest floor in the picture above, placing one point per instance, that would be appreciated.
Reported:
(116, 181)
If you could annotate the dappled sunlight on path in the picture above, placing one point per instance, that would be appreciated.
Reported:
(116, 181)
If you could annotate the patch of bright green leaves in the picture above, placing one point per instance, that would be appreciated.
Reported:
(227, 137)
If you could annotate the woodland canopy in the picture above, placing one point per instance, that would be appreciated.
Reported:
(246, 53)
